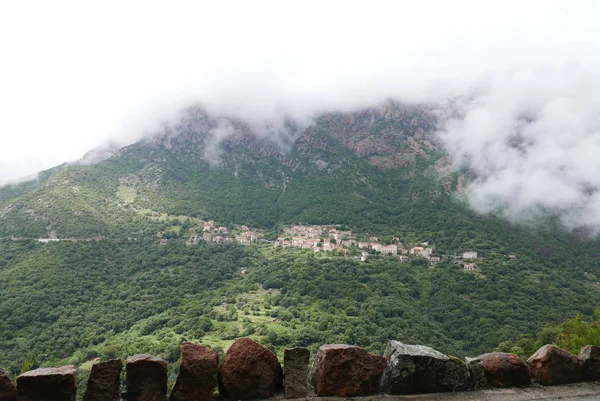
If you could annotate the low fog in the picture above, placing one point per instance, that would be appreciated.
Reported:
(524, 77)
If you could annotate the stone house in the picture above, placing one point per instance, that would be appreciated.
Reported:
(420, 251)
(349, 242)
(415, 250)
(328, 247)
(426, 253)
(470, 266)
(375, 246)
(390, 249)
(469, 255)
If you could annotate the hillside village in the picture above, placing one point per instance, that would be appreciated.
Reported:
(327, 239)
(212, 233)
(320, 238)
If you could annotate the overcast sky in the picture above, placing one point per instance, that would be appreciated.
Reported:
(74, 75)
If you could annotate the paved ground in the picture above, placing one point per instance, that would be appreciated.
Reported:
(580, 391)
(587, 391)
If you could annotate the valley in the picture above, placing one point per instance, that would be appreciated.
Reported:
(164, 242)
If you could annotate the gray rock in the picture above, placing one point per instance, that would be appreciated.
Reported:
(413, 369)
(295, 370)
(48, 384)
(8, 391)
(478, 378)
(590, 355)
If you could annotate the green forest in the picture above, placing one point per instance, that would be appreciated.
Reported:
(71, 302)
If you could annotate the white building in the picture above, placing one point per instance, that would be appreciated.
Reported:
(390, 249)
(469, 255)
(375, 246)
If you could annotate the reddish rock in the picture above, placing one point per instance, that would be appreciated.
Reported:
(146, 378)
(551, 365)
(504, 369)
(249, 371)
(197, 375)
(295, 368)
(104, 381)
(346, 371)
(590, 356)
(8, 391)
(48, 384)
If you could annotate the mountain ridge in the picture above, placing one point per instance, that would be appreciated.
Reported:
(379, 172)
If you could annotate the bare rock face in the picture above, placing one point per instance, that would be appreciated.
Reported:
(551, 365)
(504, 369)
(346, 371)
(48, 384)
(8, 391)
(413, 369)
(590, 356)
(197, 375)
(104, 381)
(249, 371)
(295, 368)
(146, 378)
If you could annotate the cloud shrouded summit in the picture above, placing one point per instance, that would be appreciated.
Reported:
(522, 76)
(532, 139)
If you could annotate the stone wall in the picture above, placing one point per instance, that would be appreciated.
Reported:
(251, 371)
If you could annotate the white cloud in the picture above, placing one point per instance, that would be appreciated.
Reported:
(75, 75)
(532, 141)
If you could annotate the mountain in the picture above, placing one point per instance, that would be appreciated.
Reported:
(111, 287)
(363, 163)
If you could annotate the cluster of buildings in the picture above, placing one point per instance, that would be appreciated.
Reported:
(391, 249)
(469, 256)
(322, 238)
(212, 233)
(317, 238)
(423, 250)
(327, 239)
